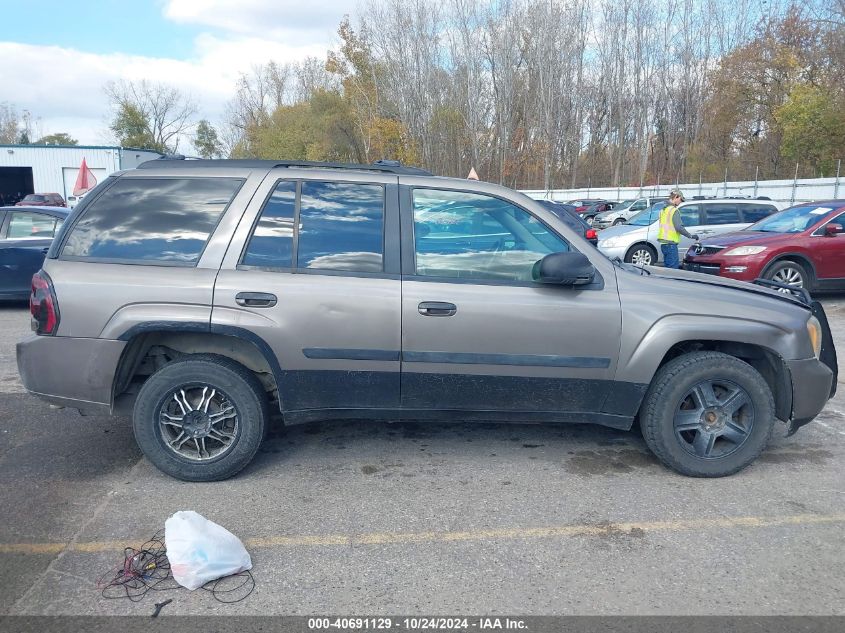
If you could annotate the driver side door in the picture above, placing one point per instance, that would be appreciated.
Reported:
(477, 333)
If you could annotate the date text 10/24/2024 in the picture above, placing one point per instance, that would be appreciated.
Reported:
(416, 624)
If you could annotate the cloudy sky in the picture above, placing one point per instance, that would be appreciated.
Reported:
(55, 55)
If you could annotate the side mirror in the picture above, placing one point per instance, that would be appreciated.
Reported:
(564, 269)
(832, 229)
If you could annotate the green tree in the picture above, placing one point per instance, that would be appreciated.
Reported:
(813, 127)
(23, 139)
(130, 127)
(206, 140)
(59, 138)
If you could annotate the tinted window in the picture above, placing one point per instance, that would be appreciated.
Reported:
(756, 212)
(31, 225)
(152, 219)
(271, 244)
(721, 214)
(690, 215)
(341, 226)
(471, 236)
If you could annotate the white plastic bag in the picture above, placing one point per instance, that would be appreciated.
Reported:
(200, 551)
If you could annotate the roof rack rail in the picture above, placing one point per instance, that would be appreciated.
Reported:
(381, 166)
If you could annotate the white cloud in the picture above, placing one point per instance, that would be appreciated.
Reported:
(63, 87)
(294, 21)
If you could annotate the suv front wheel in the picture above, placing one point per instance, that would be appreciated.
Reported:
(201, 418)
(707, 414)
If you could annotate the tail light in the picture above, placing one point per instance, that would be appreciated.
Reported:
(43, 305)
(591, 234)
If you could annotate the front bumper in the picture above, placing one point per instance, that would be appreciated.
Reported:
(71, 372)
(613, 251)
(812, 383)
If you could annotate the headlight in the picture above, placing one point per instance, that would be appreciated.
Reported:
(814, 329)
(744, 250)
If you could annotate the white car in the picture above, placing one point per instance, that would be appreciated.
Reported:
(636, 242)
(624, 211)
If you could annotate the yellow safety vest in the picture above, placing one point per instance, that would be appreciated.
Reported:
(667, 232)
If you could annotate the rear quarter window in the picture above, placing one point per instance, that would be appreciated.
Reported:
(166, 220)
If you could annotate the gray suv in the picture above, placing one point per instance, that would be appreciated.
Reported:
(202, 295)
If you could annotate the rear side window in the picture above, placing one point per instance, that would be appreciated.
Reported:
(722, 214)
(151, 220)
(31, 225)
(690, 215)
(271, 244)
(341, 226)
(756, 212)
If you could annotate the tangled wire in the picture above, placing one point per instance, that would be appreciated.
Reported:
(148, 569)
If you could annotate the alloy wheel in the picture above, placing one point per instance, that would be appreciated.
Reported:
(198, 422)
(714, 419)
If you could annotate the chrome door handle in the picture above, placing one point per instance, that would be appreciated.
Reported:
(255, 299)
(437, 308)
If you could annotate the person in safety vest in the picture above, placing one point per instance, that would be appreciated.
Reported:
(670, 230)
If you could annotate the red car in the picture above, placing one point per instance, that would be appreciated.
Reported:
(803, 246)
(42, 200)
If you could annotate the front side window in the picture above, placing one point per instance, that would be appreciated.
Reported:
(31, 225)
(152, 220)
(341, 226)
(472, 236)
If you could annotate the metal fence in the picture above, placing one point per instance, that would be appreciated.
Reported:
(785, 191)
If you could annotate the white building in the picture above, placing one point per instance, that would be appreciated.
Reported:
(53, 168)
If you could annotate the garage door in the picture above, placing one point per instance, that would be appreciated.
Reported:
(70, 174)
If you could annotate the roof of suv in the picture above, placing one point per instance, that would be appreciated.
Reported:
(389, 167)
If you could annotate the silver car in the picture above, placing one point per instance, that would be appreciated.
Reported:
(636, 242)
(624, 211)
(199, 296)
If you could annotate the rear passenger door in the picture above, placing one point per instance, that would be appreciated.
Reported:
(313, 271)
(721, 218)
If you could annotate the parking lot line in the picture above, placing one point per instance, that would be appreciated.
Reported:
(393, 538)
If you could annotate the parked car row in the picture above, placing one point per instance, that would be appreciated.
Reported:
(801, 247)
(636, 242)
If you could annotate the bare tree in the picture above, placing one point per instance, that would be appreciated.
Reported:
(149, 114)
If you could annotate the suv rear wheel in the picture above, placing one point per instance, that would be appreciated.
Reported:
(201, 418)
(707, 414)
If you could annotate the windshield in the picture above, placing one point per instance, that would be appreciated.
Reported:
(624, 204)
(34, 198)
(794, 220)
(647, 217)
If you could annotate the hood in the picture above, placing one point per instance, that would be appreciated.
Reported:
(623, 229)
(720, 282)
(743, 238)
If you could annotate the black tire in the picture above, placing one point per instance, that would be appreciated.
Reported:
(788, 271)
(233, 385)
(637, 251)
(618, 221)
(671, 404)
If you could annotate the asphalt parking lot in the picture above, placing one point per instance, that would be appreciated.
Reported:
(359, 517)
